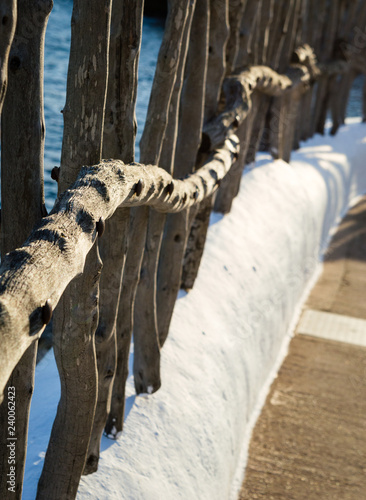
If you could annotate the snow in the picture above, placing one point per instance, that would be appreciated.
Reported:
(228, 335)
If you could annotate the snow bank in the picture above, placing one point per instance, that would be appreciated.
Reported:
(228, 335)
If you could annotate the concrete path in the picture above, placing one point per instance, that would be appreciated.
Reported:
(310, 439)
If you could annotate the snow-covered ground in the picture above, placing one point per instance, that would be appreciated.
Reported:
(228, 336)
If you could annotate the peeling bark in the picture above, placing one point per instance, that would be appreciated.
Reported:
(22, 192)
(76, 317)
(98, 192)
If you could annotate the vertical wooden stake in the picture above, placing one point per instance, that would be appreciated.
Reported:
(76, 316)
(22, 192)
(118, 142)
(188, 143)
(146, 338)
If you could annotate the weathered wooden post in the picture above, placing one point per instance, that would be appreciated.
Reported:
(146, 337)
(22, 193)
(188, 143)
(236, 10)
(313, 26)
(330, 49)
(113, 344)
(8, 17)
(219, 34)
(257, 123)
(283, 111)
(230, 185)
(324, 49)
(76, 317)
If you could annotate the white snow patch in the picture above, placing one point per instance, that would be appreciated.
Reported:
(228, 335)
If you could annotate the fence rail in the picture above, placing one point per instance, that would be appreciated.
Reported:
(36, 274)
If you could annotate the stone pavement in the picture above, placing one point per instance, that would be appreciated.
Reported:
(310, 440)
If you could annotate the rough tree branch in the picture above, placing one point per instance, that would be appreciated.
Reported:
(35, 275)
(238, 90)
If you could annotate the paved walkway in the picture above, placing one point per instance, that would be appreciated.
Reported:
(310, 439)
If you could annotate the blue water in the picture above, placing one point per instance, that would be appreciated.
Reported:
(55, 74)
(56, 63)
(57, 48)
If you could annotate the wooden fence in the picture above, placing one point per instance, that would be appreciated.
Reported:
(232, 77)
